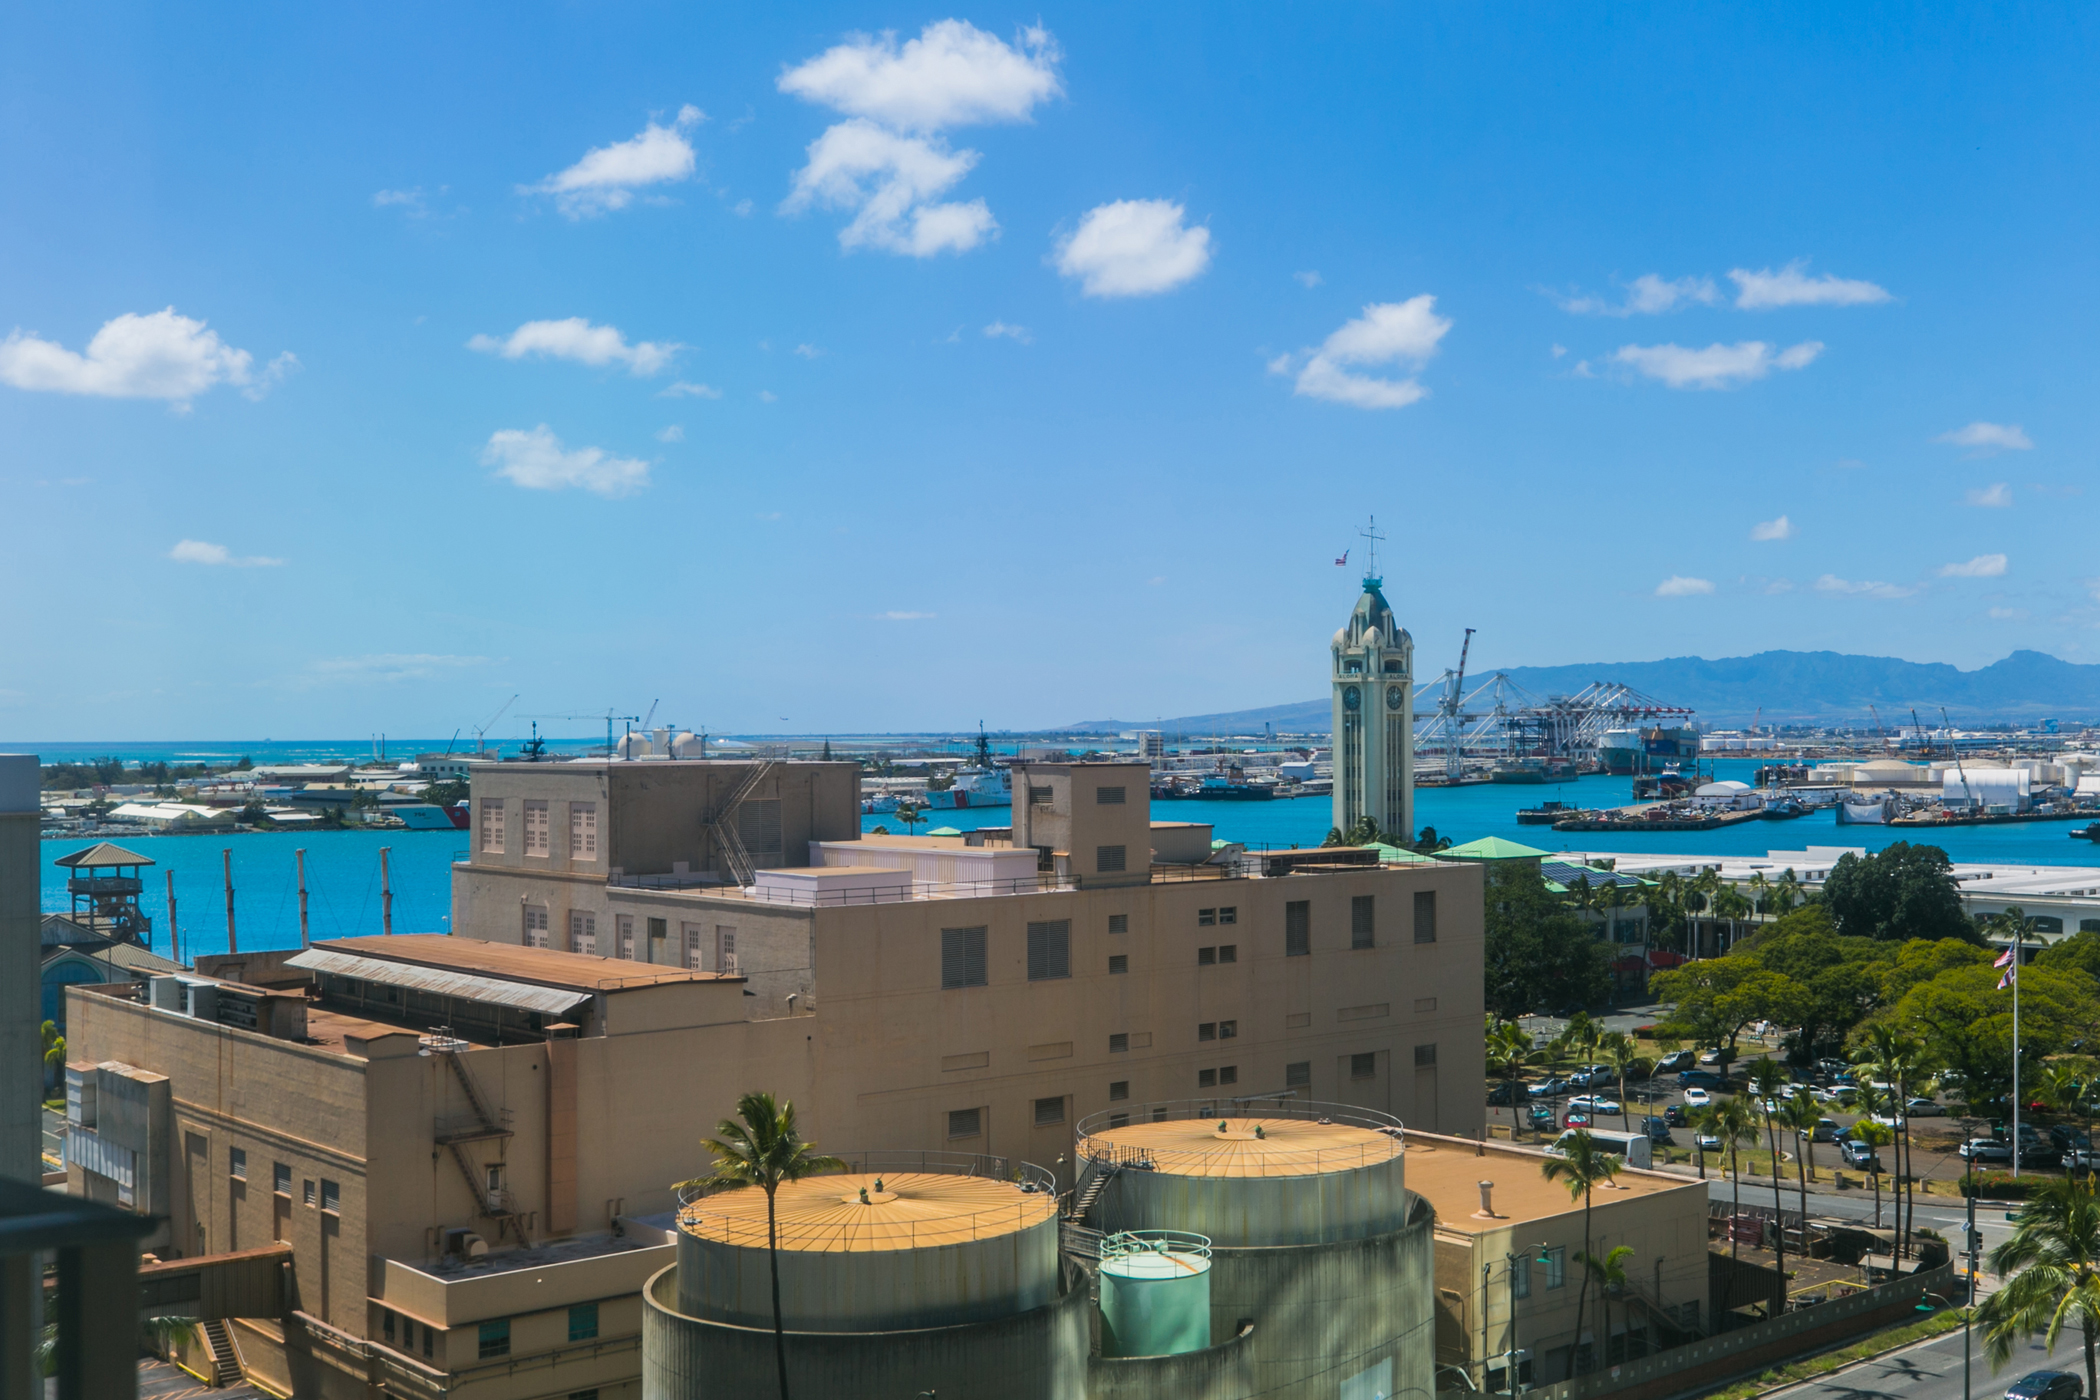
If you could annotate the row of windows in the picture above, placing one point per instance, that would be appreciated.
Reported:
(494, 1335)
(1049, 953)
(537, 828)
(698, 949)
(408, 1330)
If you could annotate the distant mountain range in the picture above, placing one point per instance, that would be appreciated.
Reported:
(1791, 687)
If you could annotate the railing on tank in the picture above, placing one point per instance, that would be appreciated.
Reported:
(1034, 1200)
(1118, 1138)
(1125, 1243)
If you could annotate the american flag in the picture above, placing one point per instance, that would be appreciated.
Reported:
(1343, 562)
(2004, 959)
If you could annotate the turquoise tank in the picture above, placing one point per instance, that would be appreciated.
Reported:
(1155, 1293)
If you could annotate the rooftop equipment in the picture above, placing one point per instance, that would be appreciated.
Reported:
(1155, 1293)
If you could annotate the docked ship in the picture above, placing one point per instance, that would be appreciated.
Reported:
(974, 787)
(1630, 750)
(1866, 809)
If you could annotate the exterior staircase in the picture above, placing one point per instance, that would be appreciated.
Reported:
(225, 1357)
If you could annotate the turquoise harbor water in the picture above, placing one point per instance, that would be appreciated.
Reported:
(342, 867)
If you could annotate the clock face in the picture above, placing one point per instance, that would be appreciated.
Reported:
(1395, 697)
(1351, 698)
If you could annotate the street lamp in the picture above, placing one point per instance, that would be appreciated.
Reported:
(1966, 1314)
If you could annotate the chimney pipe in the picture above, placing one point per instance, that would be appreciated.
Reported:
(1487, 1202)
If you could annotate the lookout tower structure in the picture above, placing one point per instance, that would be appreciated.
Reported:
(105, 884)
(1374, 710)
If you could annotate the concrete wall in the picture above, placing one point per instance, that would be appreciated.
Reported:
(1221, 1372)
(1252, 1211)
(21, 1151)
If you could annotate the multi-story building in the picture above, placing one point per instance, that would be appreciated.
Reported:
(1373, 678)
(461, 1137)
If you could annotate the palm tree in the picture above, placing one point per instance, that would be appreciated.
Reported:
(910, 813)
(1877, 1136)
(1582, 1163)
(1610, 1273)
(1786, 890)
(764, 1150)
(2054, 1259)
(1624, 1057)
(2065, 1087)
(1803, 1114)
(1730, 904)
(1766, 1080)
(1510, 1052)
(1734, 1124)
(1896, 1059)
(1702, 1121)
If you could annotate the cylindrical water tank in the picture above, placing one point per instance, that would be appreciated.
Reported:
(1155, 1293)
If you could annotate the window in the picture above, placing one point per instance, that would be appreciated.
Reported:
(1039, 797)
(281, 1178)
(1425, 1057)
(237, 1163)
(1298, 1074)
(1425, 1004)
(1228, 952)
(1206, 957)
(1108, 859)
(1049, 949)
(1228, 1029)
(1364, 1066)
(1049, 1111)
(1425, 916)
(583, 932)
(623, 936)
(1229, 914)
(535, 925)
(1206, 1079)
(492, 826)
(1118, 1120)
(307, 1190)
(658, 928)
(1118, 964)
(386, 1326)
(1206, 917)
(408, 1336)
(1360, 920)
(495, 1338)
(1119, 1042)
(1228, 1074)
(1119, 923)
(1159, 1115)
(1297, 928)
(1520, 1277)
(725, 951)
(583, 1322)
(1118, 1090)
(535, 828)
(962, 957)
(583, 831)
(429, 1340)
(1108, 796)
(331, 1197)
(965, 1122)
(2089, 925)
(1557, 1266)
(1207, 1031)
(689, 936)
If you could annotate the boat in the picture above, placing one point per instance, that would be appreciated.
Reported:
(974, 787)
(2090, 833)
(1873, 810)
(428, 816)
(1224, 789)
(1546, 813)
(1785, 809)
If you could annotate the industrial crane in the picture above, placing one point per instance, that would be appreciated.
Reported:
(481, 730)
(1955, 749)
(609, 717)
(1453, 750)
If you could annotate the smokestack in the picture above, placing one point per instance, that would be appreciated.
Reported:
(1487, 1202)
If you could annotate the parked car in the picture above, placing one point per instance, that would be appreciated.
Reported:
(1703, 1078)
(1697, 1098)
(1548, 1088)
(1538, 1117)
(1889, 1120)
(1985, 1150)
(1658, 1131)
(1674, 1061)
(1859, 1156)
(1923, 1108)
(1826, 1130)
(1596, 1103)
(2067, 1137)
(1707, 1142)
(1829, 1066)
(1674, 1116)
(1498, 1094)
(1842, 1096)
(1711, 1057)
(1575, 1118)
(2047, 1385)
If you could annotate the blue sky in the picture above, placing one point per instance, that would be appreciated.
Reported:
(851, 368)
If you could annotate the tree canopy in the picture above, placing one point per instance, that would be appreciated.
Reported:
(1901, 891)
(1539, 953)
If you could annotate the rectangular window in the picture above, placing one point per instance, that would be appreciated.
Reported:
(1425, 1056)
(1206, 917)
(1425, 916)
(1228, 1029)
(306, 1189)
(623, 934)
(1039, 797)
(1228, 952)
(281, 1178)
(408, 1336)
(658, 928)
(583, 831)
(1049, 1111)
(331, 1196)
(725, 951)
(1119, 923)
(1520, 1277)
(1049, 949)
(237, 1163)
(689, 936)
(495, 1338)
(1118, 1120)
(1364, 1066)
(1108, 796)
(492, 825)
(1360, 920)
(1557, 1266)
(1207, 1031)
(1206, 1079)
(1118, 1090)
(386, 1326)
(1297, 928)
(1229, 1074)
(1298, 1074)
(1206, 957)
(1425, 1003)
(535, 828)
(1229, 914)
(1118, 964)
(429, 1340)
(1119, 1042)
(535, 925)
(583, 932)
(583, 1322)
(965, 1122)
(962, 957)
(1108, 859)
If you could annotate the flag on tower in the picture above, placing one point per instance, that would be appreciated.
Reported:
(2011, 975)
(1343, 562)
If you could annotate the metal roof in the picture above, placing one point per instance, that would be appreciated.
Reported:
(101, 854)
(438, 982)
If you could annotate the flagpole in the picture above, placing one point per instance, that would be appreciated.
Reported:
(2018, 938)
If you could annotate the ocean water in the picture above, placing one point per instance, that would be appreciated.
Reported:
(342, 867)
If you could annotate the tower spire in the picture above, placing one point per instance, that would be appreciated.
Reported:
(1371, 532)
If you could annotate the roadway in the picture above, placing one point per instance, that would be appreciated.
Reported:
(1933, 1371)
(1934, 1212)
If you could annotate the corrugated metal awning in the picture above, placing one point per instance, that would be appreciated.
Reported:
(466, 986)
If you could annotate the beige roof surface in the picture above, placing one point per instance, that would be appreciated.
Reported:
(102, 853)
(1285, 1146)
(544, 967)
(914, 1210)
(1448, 1172)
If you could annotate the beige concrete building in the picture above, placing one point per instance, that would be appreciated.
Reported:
(1508, 1247)
(470, 1141)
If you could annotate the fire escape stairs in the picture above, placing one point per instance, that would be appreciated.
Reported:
(721, 824)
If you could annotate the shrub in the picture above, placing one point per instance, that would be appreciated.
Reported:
(2002, 1186)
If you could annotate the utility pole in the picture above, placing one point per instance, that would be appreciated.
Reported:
(386, 894)
(304, 940)
(231, 946)
(174, 937)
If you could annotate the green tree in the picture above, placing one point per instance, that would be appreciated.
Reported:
(54, 1055)
(1734, 1124)
(1899, 892)
(1768, 1082)
(1877, 1136)
(1717, 997)
(1581, 1163)
(2053, 1258)
(449, 793)
(910, 813)
(1609, 1273)
(1510, 1052)
(1538, 954)
(1898, 1060)
(1965, 1022)
(1624, 1056)
(763, 1150)
(2081, 950)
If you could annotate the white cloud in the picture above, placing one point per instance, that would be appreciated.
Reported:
(1559, 351)
(892, 183)
(674, 432)
(1997, 495)
(953, 74)
(1780, 529)
(1646, 295)
(1000, 328)
(1717, 366)
(1678, 586)
(394, 666)
(808, 351)
(1307, 280)
(2009, 614)
(537, 461)
(161, 355)
(1989, 438)
(904, 616)
(1396, 333)
(199, 552)
(411, 200)
(577, 339)
(1831, 583)
(1133, 248)
(742, 209)
(1982, 566)
(768, 396)
(607, 176)
(1763, 290)
(683, 390)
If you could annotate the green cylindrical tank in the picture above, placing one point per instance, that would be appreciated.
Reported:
(1155, 1293)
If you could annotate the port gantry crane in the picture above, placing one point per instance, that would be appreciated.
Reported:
(1499, 720)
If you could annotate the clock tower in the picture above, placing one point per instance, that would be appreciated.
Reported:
(1374, 713)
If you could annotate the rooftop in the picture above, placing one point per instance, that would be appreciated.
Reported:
(541, 1256)
(101, 854)
(1447, 1171)
(1247, 1146)
(540, 967)
(910, 1210)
